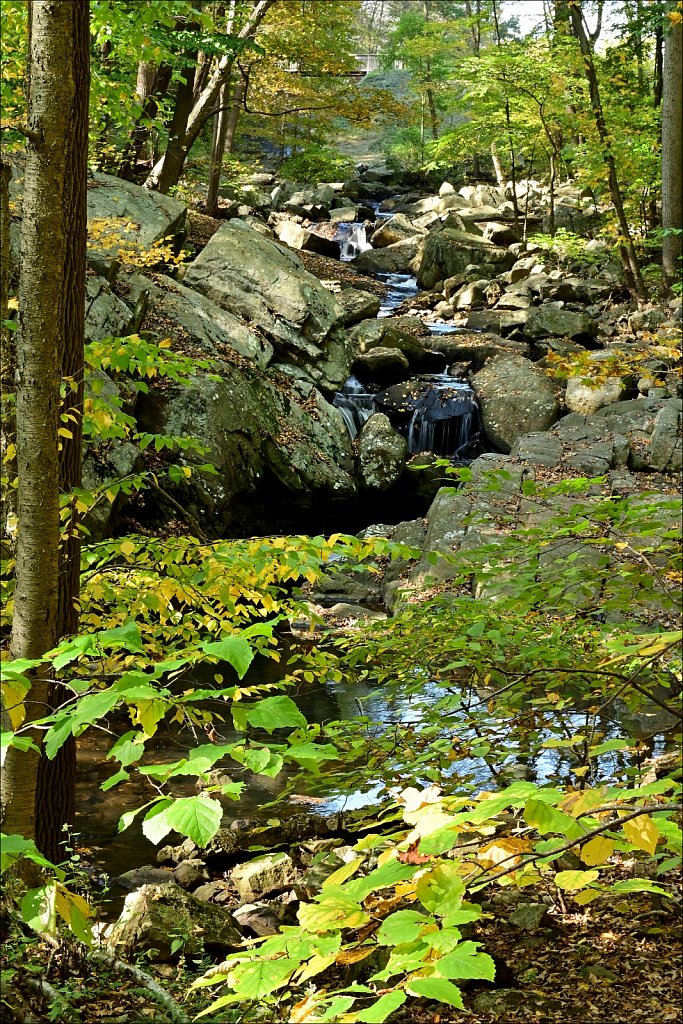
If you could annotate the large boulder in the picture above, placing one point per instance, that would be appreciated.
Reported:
(382, 454)
(106, 315)
(550, 320)
(190, 316)
(298, 237)
(261, 282)
(156, 915)
(357, 305)
(393, 259)
(446, 253)
(515, 398)
(276, 443)
(396, 229)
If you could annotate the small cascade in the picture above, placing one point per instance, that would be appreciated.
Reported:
(356, 404)
(436, 413)
(352, 240)
(399, 288)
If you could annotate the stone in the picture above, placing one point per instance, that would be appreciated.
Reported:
(665, 446)
(257, 919)
(382, 454)
(264, 284)
(529, 917)
(586, 399)
(538, 449)
(502, 322)
(395, 229)
(198, 319)
(501, 234)
(393, 259)
(145, 875)
(381, 365)
(106, 315)
(155, 916)
(471, 296)
(214, 892)
(357, 305)
(351, 214)
(190, 874)
(103, 465)
(548, 320)
(475, 348)
(272, 873)
(298, 237)
(515, 398)
(445, 253)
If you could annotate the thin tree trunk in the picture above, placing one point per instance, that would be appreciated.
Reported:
(672, 155)
(234, 114)
(206, 101)
(8, 462)
(628, 253)
(174, 159)
(659, 60)
(497, 166)
(152, 86)
(50, 343)
(220, 128)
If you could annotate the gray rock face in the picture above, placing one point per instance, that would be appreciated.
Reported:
(381, 364)
(396, 229)
(259, 281)
(475, 347)
(155, 915)
(200, 320)
(258, 435)
(106, 315)
(587, 399)
(515, 399)
(272, 873)
(549, 320)
(382, 454)
(446, 253)
(393, 259)
(357, 305)
(501, 321)
(298, 237)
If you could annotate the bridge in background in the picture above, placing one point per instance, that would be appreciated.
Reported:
(365, 63)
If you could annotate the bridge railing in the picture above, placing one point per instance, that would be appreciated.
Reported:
(365, 63)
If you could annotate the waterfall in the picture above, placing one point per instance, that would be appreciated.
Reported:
(356, 405)
(352, 240)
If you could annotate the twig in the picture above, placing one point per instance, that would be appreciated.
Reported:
(53, 997)
(172, 1008)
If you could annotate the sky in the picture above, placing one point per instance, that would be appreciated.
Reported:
(530, 14)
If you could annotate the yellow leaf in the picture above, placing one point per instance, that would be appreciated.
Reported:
(127, 548)
(504, 849)
(344, 872)
(586, 896)
(643, 833)
(597, 851)
(571, 880)
(302, 1011)
(12, 698)
(316, 965)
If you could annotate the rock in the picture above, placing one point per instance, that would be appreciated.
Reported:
(351, 214)
(476, 348)
(257, 919)
(260, 282)
(298, 237)
(515, 399)
(529, 917)
(443, 254)
(354, 612)
(395, 229)
(471, 296)
(145, 875)
(538, 449)
(503, 322)
(393, 259)
(381, 365)
(190, 874)
(501, 234)
(270, 439)
(271, 873)
(103, 465)
(106, 315)
(549, 320)
(382, 454)
(357, 305)
(215, 892)
(665, 446)
(156, 915)
(588, 398)
(198, 319)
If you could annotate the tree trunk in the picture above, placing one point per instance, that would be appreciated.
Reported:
(234, 114)
(220, 129)
(8, 461)
(152, 85)
(628, 253)
(672, 155)
(206, 102)
(175, 151)
(659, 60)
(497, 166)
(50, 344)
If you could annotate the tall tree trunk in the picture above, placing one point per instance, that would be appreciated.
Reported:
(628, 253)
(50, 343)
(497, 166)
(672, 155)
(659, 60)
(152, 86)
(220, 129)
(206, 101)
(175, 151)
(8, 462)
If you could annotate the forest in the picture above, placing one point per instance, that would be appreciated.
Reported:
(340, 511)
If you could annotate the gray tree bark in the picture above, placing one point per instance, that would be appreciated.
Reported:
(51, 304)
(8, 463)
(672, 155)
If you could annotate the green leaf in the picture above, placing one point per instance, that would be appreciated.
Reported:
(332, 910)
(570, 881)
(233, 649)
(13, 847)
(466, 961)
(436, 988)
(639, 885)
(127, 636)
(197, 817)
(310, 755)
(380, 1010)
(260, 978)
(401, 927)
(545, 818)
(113, 780)
(441, 889)
(275, 713)
(39, 908)
(128, 749)
(87, 711)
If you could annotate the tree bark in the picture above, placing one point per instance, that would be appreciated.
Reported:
(672, 155)
(174, 158)
(627, 250)
(206, 102)
(8, 463)
(152, 86)
(50, 344)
